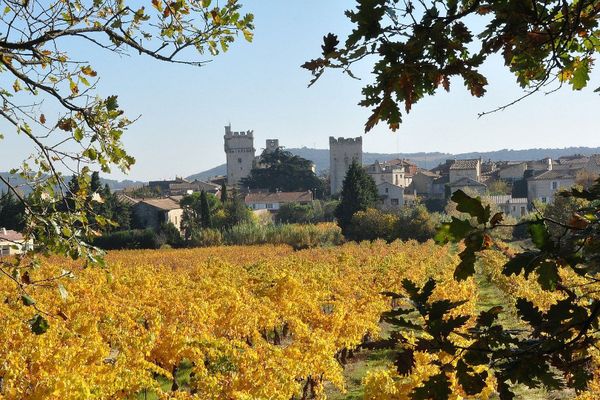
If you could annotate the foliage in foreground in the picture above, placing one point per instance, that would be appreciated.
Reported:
(556, 294)
(420, 47)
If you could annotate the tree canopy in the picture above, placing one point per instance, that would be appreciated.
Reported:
(281, 170)
(420, 47)
(359, 192)
(51, 99)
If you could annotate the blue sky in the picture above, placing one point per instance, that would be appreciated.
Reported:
(260, 86)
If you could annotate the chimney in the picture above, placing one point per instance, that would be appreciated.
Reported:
(3, 231)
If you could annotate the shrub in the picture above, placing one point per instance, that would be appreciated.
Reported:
(372, 224)
(132, 239)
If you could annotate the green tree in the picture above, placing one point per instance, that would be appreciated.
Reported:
(236, 212)
(12, 212)
(281, 170)
(296, 213)
(417, 47)
(44, 47)
(223, 193)
(359, 192)
(205, 217)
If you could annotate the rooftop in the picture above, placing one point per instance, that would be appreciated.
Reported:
(279, 197)
(9, 235)
(162, 204)
(554, 174)
(465, 164)
(467, 182)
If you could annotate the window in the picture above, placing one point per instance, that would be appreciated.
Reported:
(554, 185)
(544, 200)
(387, 190)
(240, 160)
(269, 206)
(395, 202)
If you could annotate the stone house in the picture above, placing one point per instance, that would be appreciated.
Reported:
(470, 169)
(152, 213)
(274, 201)
(516, 207)
(13, 242)
(512, 171)
(180, 186)
(543, 187)
(390, 196)
(467, 185)
(422, 183)
(394, 172)
(593, 164)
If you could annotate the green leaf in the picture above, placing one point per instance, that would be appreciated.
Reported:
(466, 267)
(453, 231)
(539, 234)
(436, 387)
(548, 275)
(473, 383)
(581, 75)
(529, 313)
(27, 300)
(522, 261)
(62, 291)
(405, 361)
(471, 206)
(111, 103)
(38, 324)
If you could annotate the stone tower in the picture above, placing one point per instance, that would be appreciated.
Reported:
(239, 148)
(272, 145)
(341, 153)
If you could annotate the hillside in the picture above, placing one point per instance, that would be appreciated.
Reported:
(113, 184)
(424, 160)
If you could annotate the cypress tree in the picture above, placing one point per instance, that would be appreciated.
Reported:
(204, 210)
(223, 193)
(359, 192)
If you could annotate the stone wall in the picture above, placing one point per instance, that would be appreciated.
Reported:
(341, 153)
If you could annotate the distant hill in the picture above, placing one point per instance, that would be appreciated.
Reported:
(424, 160)
(112, 184)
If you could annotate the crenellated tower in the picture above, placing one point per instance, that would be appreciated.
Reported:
(239, 149)
(341, 153)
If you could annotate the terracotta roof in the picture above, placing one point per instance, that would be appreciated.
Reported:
(11, 236)
(161, 204)
(554, 174)
(279, 197)
(465, 164)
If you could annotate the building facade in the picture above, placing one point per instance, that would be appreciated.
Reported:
(543, 187)
(152, 213)
(470, 169)
(273, 201)
(12, 242)
(341, 154)
(239, 149)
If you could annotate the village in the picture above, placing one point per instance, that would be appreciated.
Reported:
(515, 187)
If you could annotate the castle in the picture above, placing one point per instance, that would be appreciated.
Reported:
(239, 148)
(240, 151)
(341, 154)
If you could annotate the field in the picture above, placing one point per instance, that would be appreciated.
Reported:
(252, 322)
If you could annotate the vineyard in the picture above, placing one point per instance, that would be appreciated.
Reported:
(253, 322)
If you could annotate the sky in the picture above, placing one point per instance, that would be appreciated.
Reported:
(260, 86)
